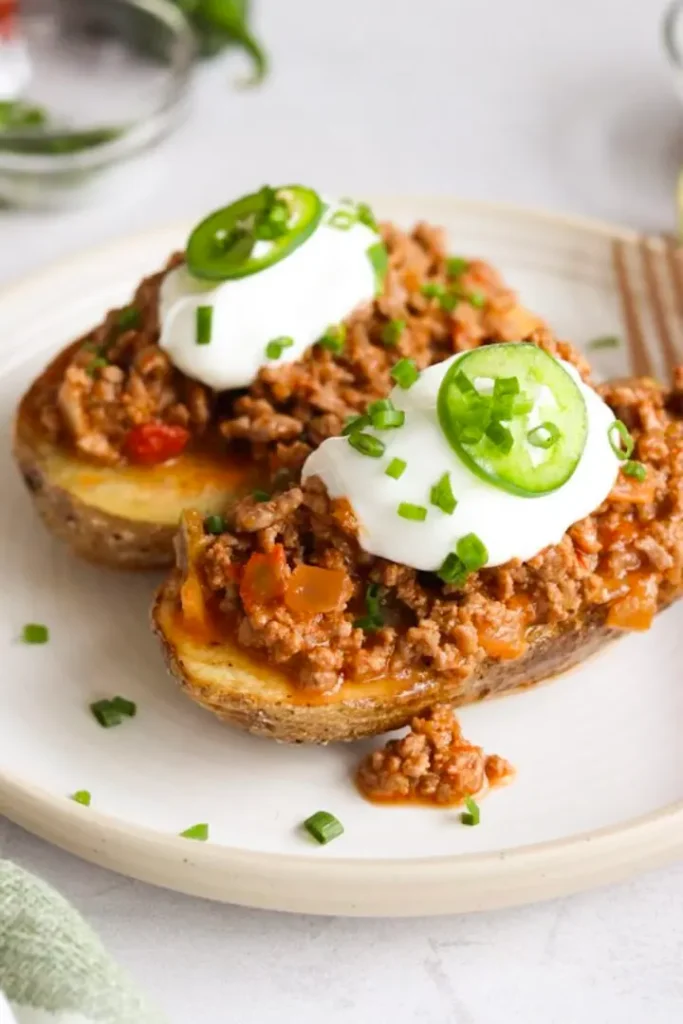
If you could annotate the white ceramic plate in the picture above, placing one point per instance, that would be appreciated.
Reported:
(599, 791)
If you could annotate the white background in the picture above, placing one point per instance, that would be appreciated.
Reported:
(564, 105)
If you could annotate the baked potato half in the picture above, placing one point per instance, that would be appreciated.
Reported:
(250, 694)
(123, 516)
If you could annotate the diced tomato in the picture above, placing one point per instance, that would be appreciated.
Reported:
(263, 579)
(312, 591)
(151, 443)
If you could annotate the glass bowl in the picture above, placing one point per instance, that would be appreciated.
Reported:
(112, 77)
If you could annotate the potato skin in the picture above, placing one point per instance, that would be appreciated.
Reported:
(92, 533)
(220, 677)
(122, 517)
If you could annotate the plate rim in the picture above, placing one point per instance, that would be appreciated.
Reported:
(322, 883)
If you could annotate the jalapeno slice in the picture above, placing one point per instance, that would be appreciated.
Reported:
(253, 233)
(496, 402)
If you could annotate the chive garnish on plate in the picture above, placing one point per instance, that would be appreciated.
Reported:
(81, 796)
(198, 832)
(472, 815)
(605, 341)
(110, 713)
(324, 827)
(35, 633)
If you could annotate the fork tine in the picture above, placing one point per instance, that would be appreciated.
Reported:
(654, 288)
(641, 364)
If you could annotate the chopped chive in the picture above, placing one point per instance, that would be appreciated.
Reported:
(416, 513)
(442, 495)
(355, 423)
(472, 552)
(343, 220)
(391, 332)
(389, 419)
(464, 384)
(204, 320)
(502, 407)
(106, 714)
(450, 300)
(471, 433)
(35, 633)
(606, 341)
(384, 416)
(125, 707)
(500, 436)
(505, 386)
(128, 317)
(634, 469)
(198, 832)
(545, 435)
(81, 796)
(619, 436)
(472, 815)
(366, 444)
(456, 266)
(111, 712)
(452, 570)
(405, 373)
(98, 363)
(477, 299)
(334, 338)
(522, 405)
(260, 496)
(374, 619)
(396, 469)
(214, 524)
(324, 827)
(377, 254)
(433, 290)
(275, 348)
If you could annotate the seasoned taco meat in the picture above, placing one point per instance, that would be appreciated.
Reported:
(289, 582)
(120, 399)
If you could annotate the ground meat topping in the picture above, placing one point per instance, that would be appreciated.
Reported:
(615, 567)
(118, 378)
(433, 763)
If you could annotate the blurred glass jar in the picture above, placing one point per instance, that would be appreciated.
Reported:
(111, 78)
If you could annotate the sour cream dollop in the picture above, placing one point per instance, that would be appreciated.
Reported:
(509, 525)
(314, 287)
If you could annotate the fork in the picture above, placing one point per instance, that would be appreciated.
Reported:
(649, 274)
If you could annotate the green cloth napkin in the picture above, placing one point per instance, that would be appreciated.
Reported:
(53, 968)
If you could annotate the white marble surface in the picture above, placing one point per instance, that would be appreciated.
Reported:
(567, 106)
